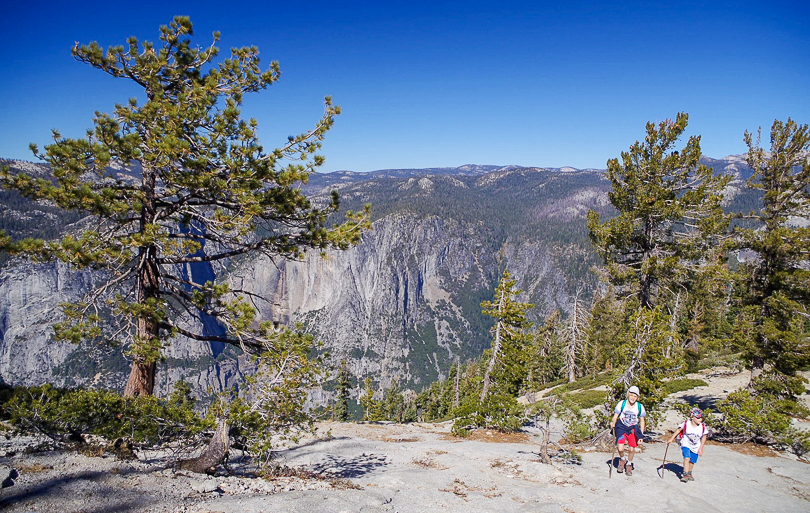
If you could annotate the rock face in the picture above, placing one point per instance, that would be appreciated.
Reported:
(29, 305)
(30, 298)
(404, 304)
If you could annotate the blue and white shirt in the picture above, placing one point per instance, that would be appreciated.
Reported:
(630, 414)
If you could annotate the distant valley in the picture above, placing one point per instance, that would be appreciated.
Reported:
(403, 305)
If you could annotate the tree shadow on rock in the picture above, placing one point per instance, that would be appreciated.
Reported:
(357, 466)
(57, 489)
(701, 401)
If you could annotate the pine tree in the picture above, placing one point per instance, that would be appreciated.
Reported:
(372, 410)
(574, 339)
(774, 286)
(669, 215)
(343, 387)
(507, 358)
(546, 357)
(607, 323)
(205, 191)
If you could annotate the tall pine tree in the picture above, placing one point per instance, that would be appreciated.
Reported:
(204, 191)
(774, 284)
(669, 215)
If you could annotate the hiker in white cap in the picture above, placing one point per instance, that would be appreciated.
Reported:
(628, 428)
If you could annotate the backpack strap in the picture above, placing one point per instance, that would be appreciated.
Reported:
(703, 426)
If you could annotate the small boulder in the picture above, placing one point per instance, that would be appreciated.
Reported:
(8, 475)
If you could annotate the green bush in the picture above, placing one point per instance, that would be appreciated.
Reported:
(59, 413)
(585, 383)
(587, 399)
(498, 411)
(746, 417)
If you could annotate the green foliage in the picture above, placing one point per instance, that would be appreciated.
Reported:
(372, 409)
(665, 238)
(608, 322)
(206, 190)
(649, 353)
(498, 411)
(774, 288)
(61, 412)
(506, 362)
(270, 408)
(545, 355)
(747, 417)
(604, 378)
(587, 399)
(343, 387)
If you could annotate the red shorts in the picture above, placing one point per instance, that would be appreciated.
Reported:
(629, 439)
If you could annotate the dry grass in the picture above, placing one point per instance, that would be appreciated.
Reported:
(399, 439)
(491, 436)
(749, 448)
(428, 463)
(33, 469)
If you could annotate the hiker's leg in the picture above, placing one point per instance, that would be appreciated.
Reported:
(687, 455)
(632, 442)
(620, 444)
(693, 457)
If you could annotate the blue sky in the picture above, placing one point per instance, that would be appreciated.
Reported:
(426, 84)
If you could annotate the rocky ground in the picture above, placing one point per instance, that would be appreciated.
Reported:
(417, 467)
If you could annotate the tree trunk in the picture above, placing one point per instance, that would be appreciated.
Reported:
(214, 454)
(456, 384)
(141, 380)
(544, 457)
(496, 349)
(757, 368)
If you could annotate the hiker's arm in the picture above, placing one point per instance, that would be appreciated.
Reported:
(613, 421)
(643, 423)
(676, 433)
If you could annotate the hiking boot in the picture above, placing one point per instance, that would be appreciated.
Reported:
(689, 476)
(622, 463)
(629, 469)
(684, 477)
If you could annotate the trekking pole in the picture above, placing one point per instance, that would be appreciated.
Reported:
(612, 454)
(664, 462)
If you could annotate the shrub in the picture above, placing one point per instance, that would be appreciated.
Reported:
(746, 417)
(587, 399)
(62, 413)
(499, 412)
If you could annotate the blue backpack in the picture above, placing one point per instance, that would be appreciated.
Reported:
(624, 403)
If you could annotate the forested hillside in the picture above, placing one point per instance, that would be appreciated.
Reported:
(402, 305)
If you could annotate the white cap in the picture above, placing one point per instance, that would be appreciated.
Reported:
(633, 390)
